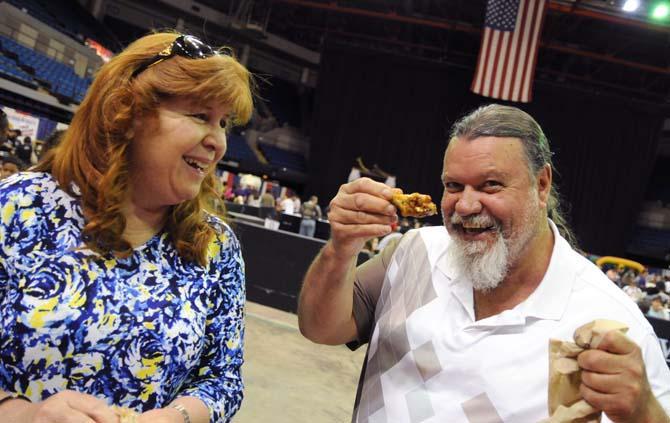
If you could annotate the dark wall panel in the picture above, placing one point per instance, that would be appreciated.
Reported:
(396, 112)
(275, 263)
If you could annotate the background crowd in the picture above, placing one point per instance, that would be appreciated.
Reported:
(649, 289)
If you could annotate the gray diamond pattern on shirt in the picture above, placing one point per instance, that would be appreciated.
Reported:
(418, 403)
(378, 416)
(372, 390)
(413, 291)
(383, 308)
(398, 343)
(480, 409)
(426, 360)
(417, 295)
(429, 294)
(384, 356)
(373, 368)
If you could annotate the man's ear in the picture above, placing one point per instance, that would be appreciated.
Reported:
(544, 178)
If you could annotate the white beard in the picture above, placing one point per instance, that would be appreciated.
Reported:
(485, 265)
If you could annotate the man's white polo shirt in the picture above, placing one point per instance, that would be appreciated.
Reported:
(430, 361)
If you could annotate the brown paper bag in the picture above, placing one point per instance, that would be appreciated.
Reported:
(590, 334)
(565, 402)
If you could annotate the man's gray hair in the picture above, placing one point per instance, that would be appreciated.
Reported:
(496, 120)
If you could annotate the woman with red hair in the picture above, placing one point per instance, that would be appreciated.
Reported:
(121, 288)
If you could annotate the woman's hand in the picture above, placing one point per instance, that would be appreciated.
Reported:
(161, 415)
(63, 407)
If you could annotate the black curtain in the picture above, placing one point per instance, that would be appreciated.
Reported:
(396, 112)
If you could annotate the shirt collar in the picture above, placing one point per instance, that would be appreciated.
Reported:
(548, 301)
(550, 298)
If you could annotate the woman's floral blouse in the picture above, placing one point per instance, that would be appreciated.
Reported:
(138, 331)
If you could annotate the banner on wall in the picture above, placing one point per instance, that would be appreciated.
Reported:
(28, 124)
(100, 50)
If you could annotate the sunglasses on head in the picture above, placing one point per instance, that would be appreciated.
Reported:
(184, 46)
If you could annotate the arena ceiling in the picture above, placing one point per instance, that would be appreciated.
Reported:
(587, 43)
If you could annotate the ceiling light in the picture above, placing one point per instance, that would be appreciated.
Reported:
(660, 11)
(631, 5)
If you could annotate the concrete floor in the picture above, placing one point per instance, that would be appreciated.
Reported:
(290, 379)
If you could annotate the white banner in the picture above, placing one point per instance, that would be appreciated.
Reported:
(28, 124)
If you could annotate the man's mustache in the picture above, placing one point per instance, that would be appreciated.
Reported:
(476, 220)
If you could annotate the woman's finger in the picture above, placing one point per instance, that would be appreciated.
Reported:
(93, 407)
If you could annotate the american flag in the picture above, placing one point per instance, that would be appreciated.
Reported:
(508, 52)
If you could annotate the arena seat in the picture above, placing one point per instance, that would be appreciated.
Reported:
(9, 70)
(70, 18)
(61, 78)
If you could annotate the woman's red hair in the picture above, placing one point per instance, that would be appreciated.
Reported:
(93, 151)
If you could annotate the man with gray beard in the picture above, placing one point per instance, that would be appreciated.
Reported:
(487, 265)
(458, 318)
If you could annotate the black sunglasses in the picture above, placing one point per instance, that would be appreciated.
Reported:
(185, 46)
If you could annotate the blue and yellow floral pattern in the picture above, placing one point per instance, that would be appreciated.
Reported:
(137, 331)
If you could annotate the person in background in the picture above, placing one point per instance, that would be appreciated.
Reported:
(4, 126)
(458, 318)
(51, 142)
(9, 165)
(662, 293)
(296, 203)
(405, 225)
(5, 146)
(267, 200)
(613, 275)
(13, 137)
(241, 194)
(119, 282)
(286, 204)
(267, 206)
(254, 198)
(386, 240)
(631, 288)
(4, 131)
(310, 212)
(24, 150)
(228, 192)
(657, 309)
(371, 247)
(642, 279)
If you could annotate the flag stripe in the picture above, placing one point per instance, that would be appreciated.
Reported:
(490, 65)
(536, 40)
(485, 59)
(508, 51)
(517, 49)
(477, 81)
(509, 75)
(497, 92)
(485, 64)
(533, 25)
(522, 52)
